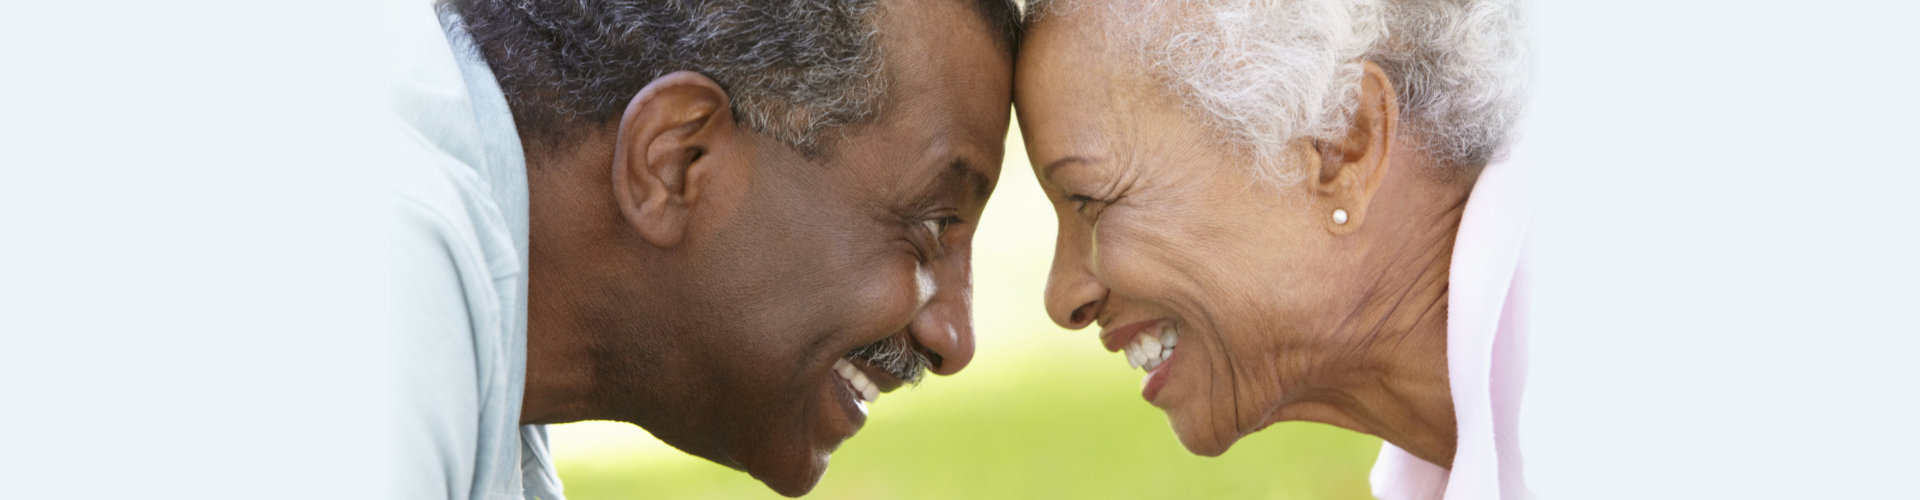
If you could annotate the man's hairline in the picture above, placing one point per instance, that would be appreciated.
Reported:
(828, 144)
(822, 147)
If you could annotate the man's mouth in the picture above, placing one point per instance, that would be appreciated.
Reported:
(891, 361)
(863, 388)
(879, 367)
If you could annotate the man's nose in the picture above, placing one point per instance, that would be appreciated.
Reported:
(943, 329)
(1074, 296)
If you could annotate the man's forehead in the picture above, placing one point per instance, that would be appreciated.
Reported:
(933, 42)
(918, 165)
(998, 20)
(941, 131)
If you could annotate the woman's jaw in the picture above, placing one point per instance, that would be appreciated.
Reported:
(1178, 376)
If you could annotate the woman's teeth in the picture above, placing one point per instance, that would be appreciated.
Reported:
(1148, 351)
(863, 387)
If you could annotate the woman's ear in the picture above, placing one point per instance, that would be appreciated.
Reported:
(666, 152)
(1351, 168)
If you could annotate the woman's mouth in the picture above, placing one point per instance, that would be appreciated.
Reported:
(1152, 351)
(1149, 350)
(1149, 346)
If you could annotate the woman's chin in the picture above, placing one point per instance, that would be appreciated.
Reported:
(1199, 436)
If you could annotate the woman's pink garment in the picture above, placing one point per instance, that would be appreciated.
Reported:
(1486, 350)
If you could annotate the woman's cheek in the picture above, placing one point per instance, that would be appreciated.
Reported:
(1116, 253)
(1128, 243)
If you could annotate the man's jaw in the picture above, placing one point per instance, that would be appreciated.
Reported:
(856, 379)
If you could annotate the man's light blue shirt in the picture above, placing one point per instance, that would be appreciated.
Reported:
(458, 362)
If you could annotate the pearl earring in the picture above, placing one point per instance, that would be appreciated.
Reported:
(1339, 216)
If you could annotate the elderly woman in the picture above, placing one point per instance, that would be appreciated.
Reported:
(1295, 210)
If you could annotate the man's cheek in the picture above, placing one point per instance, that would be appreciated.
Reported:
(924, 284)
(883, 298)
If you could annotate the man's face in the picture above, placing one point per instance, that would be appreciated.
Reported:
(844, 274)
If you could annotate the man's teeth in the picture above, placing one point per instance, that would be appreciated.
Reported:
(862, 386)
(1148, 350)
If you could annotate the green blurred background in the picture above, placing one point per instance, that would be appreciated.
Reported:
(1041, 413)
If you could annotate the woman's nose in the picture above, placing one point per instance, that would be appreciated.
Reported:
(1074, 296)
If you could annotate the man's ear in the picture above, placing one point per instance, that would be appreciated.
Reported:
(663, 157)
(1351, 168)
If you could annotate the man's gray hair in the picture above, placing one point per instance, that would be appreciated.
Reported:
(792, 68)
(1266, 72)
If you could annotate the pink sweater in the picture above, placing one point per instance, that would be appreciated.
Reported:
(1486, 349)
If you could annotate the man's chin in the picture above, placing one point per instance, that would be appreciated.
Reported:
(793, 477)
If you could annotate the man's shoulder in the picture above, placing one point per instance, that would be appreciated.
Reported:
(449, 250)
(439, 181)
(429, 189)
(466, 169)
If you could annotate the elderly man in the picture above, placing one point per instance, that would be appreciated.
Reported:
(732, 223)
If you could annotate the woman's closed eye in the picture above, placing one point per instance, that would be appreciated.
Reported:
(1087, 206)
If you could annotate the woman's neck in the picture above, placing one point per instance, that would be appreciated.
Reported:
(1406, 398)
(1400, 390)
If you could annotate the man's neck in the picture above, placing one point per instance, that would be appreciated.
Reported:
(562, 374)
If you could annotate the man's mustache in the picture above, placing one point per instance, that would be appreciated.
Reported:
(896, 356)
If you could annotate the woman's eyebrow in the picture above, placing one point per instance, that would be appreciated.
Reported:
(1046, 172)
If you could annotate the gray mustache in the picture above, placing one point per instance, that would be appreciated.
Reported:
(896, 356)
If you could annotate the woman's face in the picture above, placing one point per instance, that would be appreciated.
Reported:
(1165, 234)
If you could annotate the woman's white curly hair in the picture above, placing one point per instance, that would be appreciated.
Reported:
(1266, 72)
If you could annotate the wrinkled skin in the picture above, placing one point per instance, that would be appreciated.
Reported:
(1282, 313)
(705, 288)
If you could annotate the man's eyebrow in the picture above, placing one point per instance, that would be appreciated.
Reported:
(1046, 172)
(962, 179)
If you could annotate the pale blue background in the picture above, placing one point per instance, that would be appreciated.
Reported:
(1727, 289)
(1726, 258)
